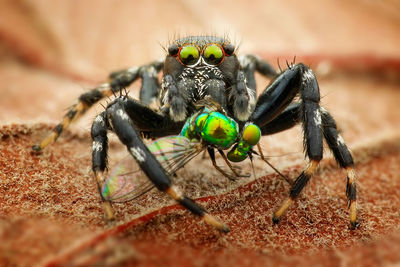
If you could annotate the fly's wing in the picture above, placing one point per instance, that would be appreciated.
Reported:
(173, 152)
(126, 181)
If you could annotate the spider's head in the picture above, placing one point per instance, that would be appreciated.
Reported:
(197, 67)
(199, 52)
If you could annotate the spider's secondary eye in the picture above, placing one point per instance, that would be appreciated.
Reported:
(213, 54)
(229, 49)
(189, 55)
(173, 49)
(251, 134)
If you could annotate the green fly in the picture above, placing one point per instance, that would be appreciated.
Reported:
(207, 129)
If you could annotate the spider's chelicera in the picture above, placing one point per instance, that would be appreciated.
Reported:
(201, 69)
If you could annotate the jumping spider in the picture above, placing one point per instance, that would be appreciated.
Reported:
(197, 67)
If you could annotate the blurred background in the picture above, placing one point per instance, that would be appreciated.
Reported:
(51, 51)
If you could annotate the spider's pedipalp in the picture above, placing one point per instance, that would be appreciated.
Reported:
(150, 85)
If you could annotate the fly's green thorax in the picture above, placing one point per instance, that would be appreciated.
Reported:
(213, 128)
(217, 129)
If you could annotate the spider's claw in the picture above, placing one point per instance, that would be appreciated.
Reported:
(354, 225)
(36, 148)
(233, 176)
(215, 223)
(275, 220)
(282, 210)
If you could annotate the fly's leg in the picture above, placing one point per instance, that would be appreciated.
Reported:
(123, 125)
(284, 121)
(230, 165)
(272, 166)
(231, 177)
(117, 81)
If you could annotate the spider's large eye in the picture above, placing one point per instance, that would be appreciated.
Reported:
(213, 54)
(189, 54)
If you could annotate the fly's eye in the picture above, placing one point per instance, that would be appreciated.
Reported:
(251, 134)
(213, 54)
(189, 55)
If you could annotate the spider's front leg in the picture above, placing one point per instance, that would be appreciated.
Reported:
(273, 114)
(127, 119)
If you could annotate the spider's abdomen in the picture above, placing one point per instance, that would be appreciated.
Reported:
(213, 128)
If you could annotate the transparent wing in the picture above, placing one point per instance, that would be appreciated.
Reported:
(173, 152)
(126, 181)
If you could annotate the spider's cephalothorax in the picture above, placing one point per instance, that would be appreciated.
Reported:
(202, 69)
(201, 66)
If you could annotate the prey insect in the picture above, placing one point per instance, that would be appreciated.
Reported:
(207, 129)
(196, 68)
